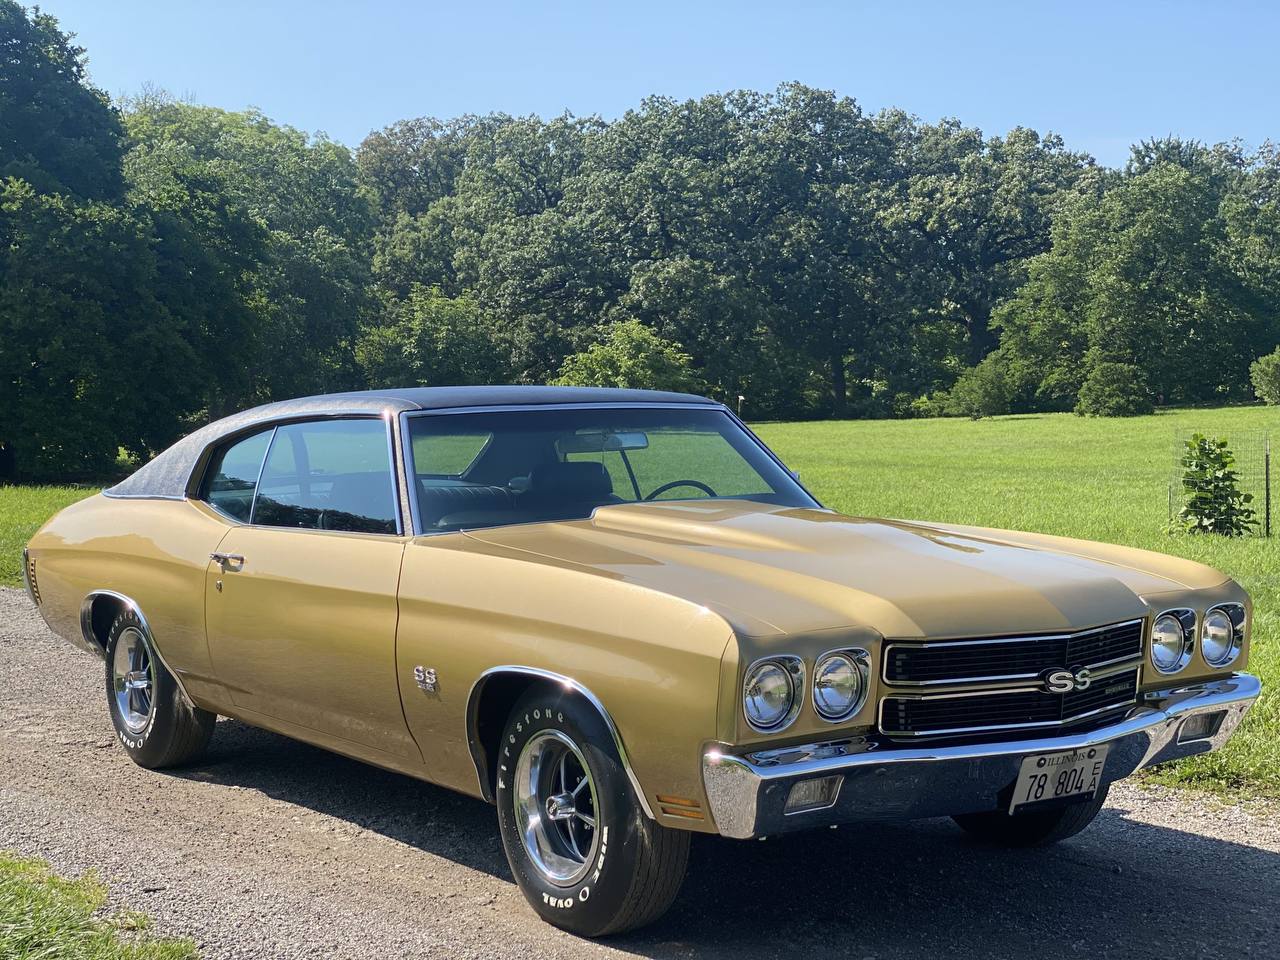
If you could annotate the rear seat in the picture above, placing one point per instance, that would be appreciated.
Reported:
(452, 502)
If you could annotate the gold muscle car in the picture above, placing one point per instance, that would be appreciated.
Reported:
(620, 618)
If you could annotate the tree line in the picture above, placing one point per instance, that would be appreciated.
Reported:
(163, 262)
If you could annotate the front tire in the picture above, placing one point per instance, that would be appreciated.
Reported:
(155, 722)
(1033, 829)
(583, 852)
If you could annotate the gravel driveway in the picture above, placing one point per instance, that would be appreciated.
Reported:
(276, 849)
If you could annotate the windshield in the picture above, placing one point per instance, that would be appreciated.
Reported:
(522, 466)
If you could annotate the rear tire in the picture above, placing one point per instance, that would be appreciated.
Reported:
(1033, 829)
(582, 850)
(155, 722)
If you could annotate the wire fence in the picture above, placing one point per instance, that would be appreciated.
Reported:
(1252, 452)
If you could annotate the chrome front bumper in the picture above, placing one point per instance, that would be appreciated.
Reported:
(748, 794)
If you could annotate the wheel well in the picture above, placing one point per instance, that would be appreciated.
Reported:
(490, 709)
(102, 612)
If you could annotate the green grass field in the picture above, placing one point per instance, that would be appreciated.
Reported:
(1056, 473)
(44, 917)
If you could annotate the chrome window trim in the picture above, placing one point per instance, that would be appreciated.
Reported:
(861, 658)
(795, 666)
(477, 750)
(411, 476)
(1134, 664)
(983, 641)
(1238, 633)
(1190, 639)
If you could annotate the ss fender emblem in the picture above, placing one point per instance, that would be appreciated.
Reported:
(1067, 681)
(426, 678)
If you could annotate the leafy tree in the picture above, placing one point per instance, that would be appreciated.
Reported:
(57, 132)
(286, 213)
(92, 357)
(1114, 390)
(432, 340)
(1145, 275)
(980, 209)
(630, 355)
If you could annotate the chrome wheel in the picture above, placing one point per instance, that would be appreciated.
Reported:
(132, 679)
(555, 806)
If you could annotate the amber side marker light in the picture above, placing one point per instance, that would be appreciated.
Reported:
(681, 807)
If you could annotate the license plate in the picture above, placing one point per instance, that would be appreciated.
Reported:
(1046, 777)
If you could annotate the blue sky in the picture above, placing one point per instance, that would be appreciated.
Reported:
(1100, 74)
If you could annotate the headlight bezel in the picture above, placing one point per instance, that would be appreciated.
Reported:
(1237, 616)
(794, 668)
(1187, 619)
(860, 660)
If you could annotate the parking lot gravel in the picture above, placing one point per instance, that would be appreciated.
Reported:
(274, 849)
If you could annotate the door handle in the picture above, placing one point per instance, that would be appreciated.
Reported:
(226, 559)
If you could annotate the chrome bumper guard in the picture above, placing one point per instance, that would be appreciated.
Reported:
(748, 794)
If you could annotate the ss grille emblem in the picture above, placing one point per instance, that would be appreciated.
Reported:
(1067, 681)
(426, 678)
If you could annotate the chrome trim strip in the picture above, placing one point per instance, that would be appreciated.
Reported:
(1134, 664)
(984, 641)
(392, 465)
(477, 749)
(511, 407)
(411, 475)
(86, 628)
(746, 793)
(26, 577)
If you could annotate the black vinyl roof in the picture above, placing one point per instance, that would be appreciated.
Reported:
(167, 476)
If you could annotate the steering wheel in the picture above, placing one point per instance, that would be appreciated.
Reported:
(682, 483)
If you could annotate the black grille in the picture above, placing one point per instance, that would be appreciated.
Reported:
(961, 660)
(938, 715)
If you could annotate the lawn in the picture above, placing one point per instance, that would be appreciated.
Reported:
(1056, 473)
(44, 917)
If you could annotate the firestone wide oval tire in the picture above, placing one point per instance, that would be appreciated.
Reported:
(172, 730)
(633, 867)
(1033, 829)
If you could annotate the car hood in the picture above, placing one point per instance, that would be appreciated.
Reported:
(771, 570)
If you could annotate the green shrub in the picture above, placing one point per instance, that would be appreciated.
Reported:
(1265, 374)
(1212, 500)
(981, 391)
(929, 406)
(1114, 390)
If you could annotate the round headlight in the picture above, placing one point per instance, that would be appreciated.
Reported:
(768, 695)
(838, 686)
(1217, 637)
(1168, 643)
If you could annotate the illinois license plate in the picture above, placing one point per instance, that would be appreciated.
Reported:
(1046, 777)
